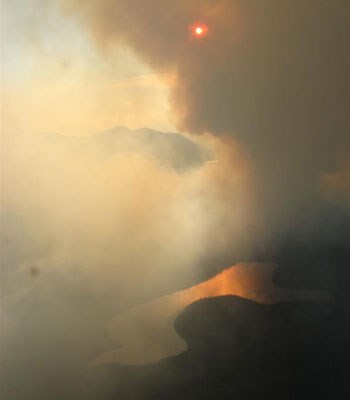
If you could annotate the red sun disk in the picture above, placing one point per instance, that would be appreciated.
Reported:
(199, 30)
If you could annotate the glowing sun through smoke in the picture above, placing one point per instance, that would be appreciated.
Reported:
(199, 30)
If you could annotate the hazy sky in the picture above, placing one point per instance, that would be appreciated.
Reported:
(272, 75)
(55, 79)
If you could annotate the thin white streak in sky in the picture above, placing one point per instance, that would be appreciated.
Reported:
(141, 80)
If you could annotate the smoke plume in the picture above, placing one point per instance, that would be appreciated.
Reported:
(274, 75)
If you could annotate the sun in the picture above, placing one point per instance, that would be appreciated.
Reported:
(199, 30)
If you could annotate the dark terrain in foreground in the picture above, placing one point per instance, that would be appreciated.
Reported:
(242, 350)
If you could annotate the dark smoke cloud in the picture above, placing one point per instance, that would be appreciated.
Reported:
(273, 74)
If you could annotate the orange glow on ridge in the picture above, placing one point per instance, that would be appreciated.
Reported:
(147, 331)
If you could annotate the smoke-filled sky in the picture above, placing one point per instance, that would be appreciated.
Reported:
(49, 64)
(97, 218)
(273, 74)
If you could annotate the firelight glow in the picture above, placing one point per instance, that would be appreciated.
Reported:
(159, 339)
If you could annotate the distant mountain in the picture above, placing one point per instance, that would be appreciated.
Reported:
(171, 150)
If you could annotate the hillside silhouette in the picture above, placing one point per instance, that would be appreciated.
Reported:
(239, 349)
(243, 350)
(146, 333)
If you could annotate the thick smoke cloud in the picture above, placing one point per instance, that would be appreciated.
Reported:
(94, 225)
(114, 209)
(273, 74)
